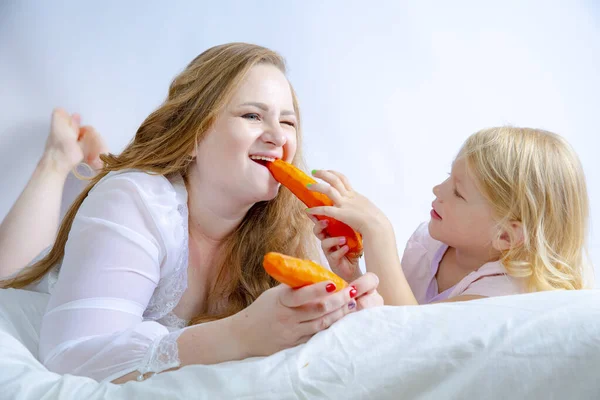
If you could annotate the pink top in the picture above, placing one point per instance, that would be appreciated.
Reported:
(420, 263)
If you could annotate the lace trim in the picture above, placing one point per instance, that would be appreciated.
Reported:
(162, 355)
(173, 322)
(171, 288)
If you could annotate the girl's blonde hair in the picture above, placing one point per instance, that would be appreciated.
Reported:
(534, 177)
(163, 144)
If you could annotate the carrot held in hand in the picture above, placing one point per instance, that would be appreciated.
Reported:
(296, 272)
(296, 180)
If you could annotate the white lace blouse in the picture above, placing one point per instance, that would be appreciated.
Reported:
(124, 271)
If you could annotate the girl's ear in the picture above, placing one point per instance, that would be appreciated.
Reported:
(509, 237)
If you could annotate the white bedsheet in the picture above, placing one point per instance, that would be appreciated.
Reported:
(544, 345)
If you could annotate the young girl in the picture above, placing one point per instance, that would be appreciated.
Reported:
(511, 218)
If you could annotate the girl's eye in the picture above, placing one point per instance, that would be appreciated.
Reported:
(458, 194)
(290, 123)
(251, 116)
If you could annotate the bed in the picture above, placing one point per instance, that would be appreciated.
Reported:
(542, 345)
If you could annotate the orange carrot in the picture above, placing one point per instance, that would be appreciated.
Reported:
(296, 180)
(296, 272)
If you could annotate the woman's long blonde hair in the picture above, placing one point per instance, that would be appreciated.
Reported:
(163, 144)
(534, 177)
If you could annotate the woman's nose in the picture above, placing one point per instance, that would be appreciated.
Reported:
(275, 136)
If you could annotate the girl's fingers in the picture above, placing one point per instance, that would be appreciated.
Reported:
(338, 254)
(319, 229)
(326, 211)
(343, 179)
(332, 179)
(327, 190)
(329, 244)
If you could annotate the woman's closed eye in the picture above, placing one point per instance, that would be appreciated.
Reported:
(458, 194)
(290, 123)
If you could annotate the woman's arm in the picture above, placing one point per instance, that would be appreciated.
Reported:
(95, 324)
(209, 343)
(32, 222)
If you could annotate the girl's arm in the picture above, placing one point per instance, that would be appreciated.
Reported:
(381, 258)
(379, 241)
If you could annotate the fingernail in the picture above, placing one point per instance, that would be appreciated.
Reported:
(314, 171)
(351, 305)
(342, 240)
(324, 223)
(308, 185)
(353, 292)
(330, 288)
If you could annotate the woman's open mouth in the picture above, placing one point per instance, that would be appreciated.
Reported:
(262, 160)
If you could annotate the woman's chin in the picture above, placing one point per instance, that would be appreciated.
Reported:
(267, 193)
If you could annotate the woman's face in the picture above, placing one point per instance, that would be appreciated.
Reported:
(258, 122)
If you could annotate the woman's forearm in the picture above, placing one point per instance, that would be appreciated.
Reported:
(209, 343)
(32, 222)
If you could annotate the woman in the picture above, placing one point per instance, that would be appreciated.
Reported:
(161, 256)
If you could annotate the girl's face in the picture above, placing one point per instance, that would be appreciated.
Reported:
(461, 217)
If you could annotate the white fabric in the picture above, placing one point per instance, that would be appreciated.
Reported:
(124, 270)
(534, 346)
(489, 280)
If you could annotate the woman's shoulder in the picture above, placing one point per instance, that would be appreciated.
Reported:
(148, 193)
(150, 186)
(157, 202)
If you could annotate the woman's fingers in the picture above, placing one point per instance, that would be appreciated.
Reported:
(326, 305)
(321, 323)
(366, 283)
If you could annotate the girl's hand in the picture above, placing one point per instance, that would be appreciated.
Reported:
(283, 317)
(349, 207)
(336, 250)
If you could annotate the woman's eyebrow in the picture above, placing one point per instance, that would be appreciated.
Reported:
(264, 107)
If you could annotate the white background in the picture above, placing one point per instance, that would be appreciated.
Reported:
(388, 90)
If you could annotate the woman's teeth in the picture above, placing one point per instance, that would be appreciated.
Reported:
(262, 158)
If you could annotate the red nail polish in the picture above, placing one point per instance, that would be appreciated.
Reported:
(330, 288)
(353, 292)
